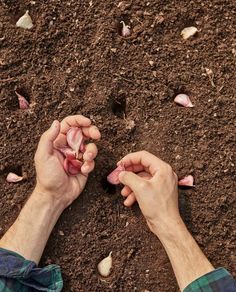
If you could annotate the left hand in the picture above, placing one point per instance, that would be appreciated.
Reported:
(52, 180)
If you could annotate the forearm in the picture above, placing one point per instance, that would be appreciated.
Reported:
(31, 230)
(187, 259)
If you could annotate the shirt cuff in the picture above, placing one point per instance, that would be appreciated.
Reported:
(19, 274)
(218, 280)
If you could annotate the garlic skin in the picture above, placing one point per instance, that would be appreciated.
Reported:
(25, 21)
(105, 265)
(188, 32)
(187, 181)
(125, 32)
(14, 178)
(183, 99)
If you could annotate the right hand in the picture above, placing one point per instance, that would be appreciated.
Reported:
(154, 185)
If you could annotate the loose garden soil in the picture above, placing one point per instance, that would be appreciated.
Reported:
(74, 61)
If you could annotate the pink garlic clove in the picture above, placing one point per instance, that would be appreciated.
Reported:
(113, 177)
(75, 139)
(187, 181)
(72, 167)
(23, 103)
(183, 99)
(125, 32)
(14, 178)
(68, 152)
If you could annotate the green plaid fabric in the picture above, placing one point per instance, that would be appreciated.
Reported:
(19, 274)
(218, 280)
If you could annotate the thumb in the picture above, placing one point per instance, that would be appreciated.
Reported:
(131, 180)
(48, 137)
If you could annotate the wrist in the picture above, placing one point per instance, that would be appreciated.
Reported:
(47, 199)
(168, 229)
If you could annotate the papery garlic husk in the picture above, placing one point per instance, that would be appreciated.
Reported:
(183, 99)
(14, 178)
(187, 181)
(104, 267)
(25, 21)
(188, 32)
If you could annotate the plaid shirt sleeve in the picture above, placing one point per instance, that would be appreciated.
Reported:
(19, 274)
(218, 280)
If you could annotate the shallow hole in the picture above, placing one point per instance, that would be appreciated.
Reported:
(118, 105)
(107, 187)
(119, 25)
(15, 169)
(12, 103)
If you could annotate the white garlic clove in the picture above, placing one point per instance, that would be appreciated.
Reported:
(14, 178)
(105, 265)
(188, 32)
(125, 32)
(183, 99)
(25, 21)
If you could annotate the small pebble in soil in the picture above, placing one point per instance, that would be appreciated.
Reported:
(188, 32)
(183, 99)
(105, 265)
(25, 21)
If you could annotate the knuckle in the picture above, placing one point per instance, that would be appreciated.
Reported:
(143, 185)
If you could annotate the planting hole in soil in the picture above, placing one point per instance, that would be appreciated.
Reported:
(118, 105)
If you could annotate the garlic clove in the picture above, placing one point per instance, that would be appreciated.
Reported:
(113, 177)
(23, 103)
(14, 178)
(75, 139)
(183, 99)
(188, 32)
(68, 152)
(105, 265)
(72, 167)
(187, 181)
(125, 32)
(25, 21)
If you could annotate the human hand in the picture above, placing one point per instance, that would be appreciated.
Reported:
(153, 183)
(52, 180)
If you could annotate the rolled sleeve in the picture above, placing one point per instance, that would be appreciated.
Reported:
(19, 274)
(219, 280)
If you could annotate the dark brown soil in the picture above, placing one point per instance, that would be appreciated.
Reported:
(75, 61)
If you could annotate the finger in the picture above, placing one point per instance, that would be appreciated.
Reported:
(60, 141)
(90, 152)
(87, 167)
(126, 191)
(133, 181)
(45, 147)
(130, 200)
(144, 158)
(91, 132)
(74, 121)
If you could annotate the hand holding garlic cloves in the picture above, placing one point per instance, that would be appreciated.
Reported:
(63, 161)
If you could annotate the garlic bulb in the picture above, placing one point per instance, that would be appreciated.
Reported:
(25, 21)
(187, 32)
(105, 265)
